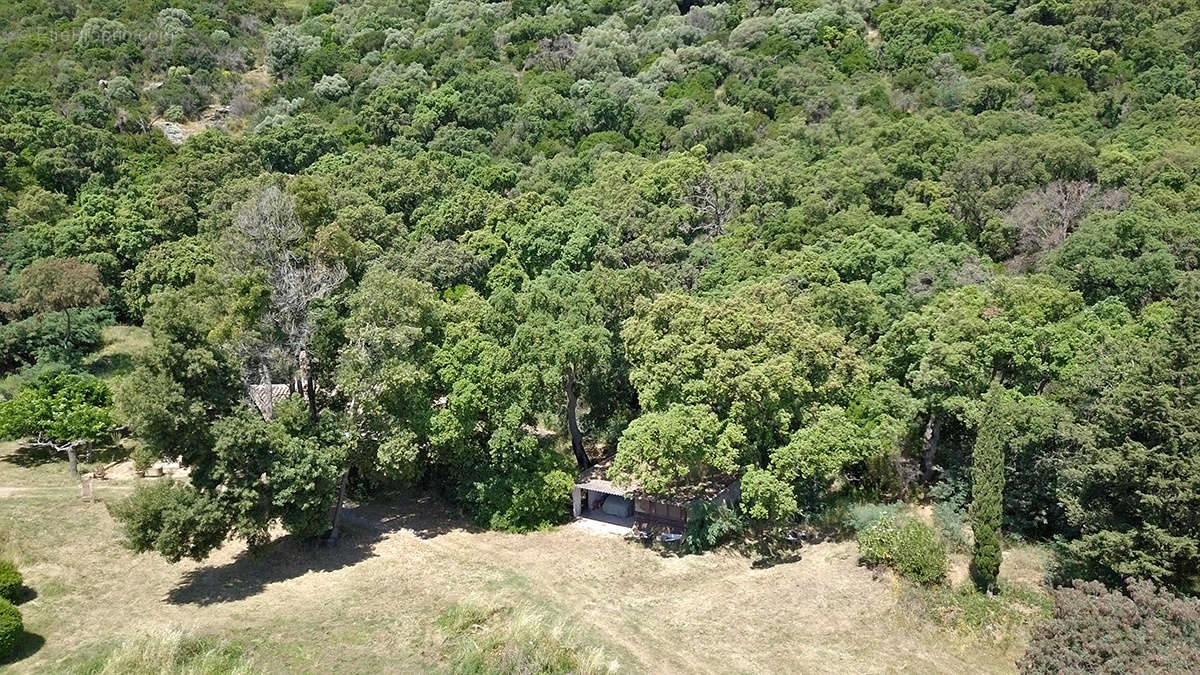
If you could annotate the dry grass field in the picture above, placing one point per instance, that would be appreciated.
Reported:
(393, 595)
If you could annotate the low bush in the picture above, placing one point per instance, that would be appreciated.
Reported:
(10, 581)
(951, 522)
(908, 546)
(1095, 630)
(143, 456)
(521, 501)
(863, 516)
(11, 628)
(950, 496)
(710, 525)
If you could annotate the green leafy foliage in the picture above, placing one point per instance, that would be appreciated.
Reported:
(793, 243)
(681, 445)
(908, 546)
(766, 497)
(11, 628)
(170, 519)
(44, 339)
(1130, 491)
(987, 496)
(711, 525)
(11, 581)
(60, 409)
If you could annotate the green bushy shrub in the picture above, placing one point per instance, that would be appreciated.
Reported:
(1096, 630)
(951, 495)
(710, 525)
(143, 456)
(907, 546)
(952, 524)
(10, 581)
(525, 501)
(525, 497)
(44, 338)
(863, 516)
(172, 519)
(11, 628)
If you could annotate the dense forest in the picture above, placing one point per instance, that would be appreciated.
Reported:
(847, 251)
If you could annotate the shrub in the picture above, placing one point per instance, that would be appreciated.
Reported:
(863, 516)
(1096, 630)
(10, 581)
(951, 496)
(143, 456)
(907, 546)
(524, 498)
(710, 525)
(11, 628)
(331, 86)
(952, 524)
(173, 519)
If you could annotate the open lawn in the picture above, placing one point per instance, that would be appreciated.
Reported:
(413, 588)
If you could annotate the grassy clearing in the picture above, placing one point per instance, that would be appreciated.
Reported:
(411, 588)
(115, 358)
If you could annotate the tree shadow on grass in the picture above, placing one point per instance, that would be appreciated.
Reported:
(24, 594)
(29, 457)
(288, 557)
(27, 645)
(111, 365)
(32, 456)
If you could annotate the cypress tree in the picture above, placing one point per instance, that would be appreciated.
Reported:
(987, 498)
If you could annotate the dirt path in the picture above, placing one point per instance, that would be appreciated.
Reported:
(51, 489)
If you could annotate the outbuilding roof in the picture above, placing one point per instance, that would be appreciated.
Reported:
(595, 478)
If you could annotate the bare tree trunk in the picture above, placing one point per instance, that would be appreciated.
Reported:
(312, 397)
(336, 530)
(72, 460)
(67, 337)
(306, 383)
(932, 435)
(573, 422)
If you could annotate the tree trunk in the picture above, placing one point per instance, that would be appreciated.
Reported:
(573, 422)
(932, 435)
(312, 397)
(306, 383)
(67, 337)
(335, 531)
(72, 460)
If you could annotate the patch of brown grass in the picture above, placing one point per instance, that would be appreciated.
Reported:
(372, 603)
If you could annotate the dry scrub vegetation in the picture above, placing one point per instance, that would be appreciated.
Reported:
(412, 588)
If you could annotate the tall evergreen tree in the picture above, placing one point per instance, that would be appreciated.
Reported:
(987, 495)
